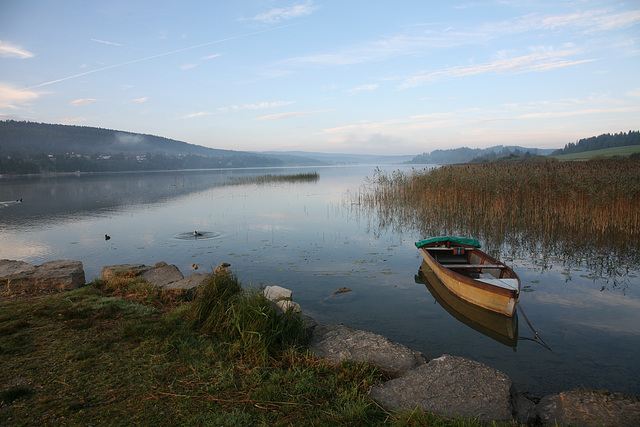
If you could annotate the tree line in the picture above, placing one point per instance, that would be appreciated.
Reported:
(606, 140)
(44, 163)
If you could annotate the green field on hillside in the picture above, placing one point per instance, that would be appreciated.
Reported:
(606, 152)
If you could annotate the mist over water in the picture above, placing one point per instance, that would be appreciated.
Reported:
(312, 238)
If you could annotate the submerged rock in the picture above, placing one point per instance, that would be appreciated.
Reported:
(589, 408)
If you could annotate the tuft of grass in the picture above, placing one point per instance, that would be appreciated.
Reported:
(250, 325)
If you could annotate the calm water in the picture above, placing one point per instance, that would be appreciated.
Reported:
(308, 237)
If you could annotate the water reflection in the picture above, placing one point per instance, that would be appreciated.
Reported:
(54, 198)
(501, 328)
(387, 205)
(308, 237)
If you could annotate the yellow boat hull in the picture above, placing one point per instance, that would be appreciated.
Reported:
(496, 299)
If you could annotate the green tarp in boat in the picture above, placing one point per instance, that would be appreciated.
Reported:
(452, 239)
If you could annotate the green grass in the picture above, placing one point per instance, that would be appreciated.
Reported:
(606, 152)
(116, 353)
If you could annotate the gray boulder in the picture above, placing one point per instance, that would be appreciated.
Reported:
(192, 281)
(281, 298)
(110, 271)
(589, 408)
(60, 275)
(453, 387)
(337, 342)
(161, 274)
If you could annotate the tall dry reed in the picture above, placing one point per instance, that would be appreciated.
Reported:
(587, 203)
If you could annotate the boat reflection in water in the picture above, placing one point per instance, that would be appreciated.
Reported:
(496, 326)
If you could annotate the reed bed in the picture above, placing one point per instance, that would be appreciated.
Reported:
(594, 203)
(270, 178)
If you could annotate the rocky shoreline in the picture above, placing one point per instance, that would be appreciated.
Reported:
(447, 385)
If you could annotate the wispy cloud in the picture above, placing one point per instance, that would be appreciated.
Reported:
(83, 101)
(556, 114)
(284, 13)
(232, 108)
(367, 88)
(590, 21)
(540, 60)
(256, 106)
(9, 50)
(155, 56)
(197, 114)
(289, 115)
(188, 66)
(215, 55)
(424, 39)
(140, 100)
(71, 120)
(13, 98)
(105, 42)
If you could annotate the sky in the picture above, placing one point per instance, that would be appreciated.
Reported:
(343, 76)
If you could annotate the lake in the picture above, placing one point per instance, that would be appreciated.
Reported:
(312, 238)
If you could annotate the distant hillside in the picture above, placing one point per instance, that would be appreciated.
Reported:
(28, 148)
(56, 139)
(339, 158)
(465, 154)
(601, 142)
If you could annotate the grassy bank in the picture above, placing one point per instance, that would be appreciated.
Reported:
(123, 353)
(625, 151)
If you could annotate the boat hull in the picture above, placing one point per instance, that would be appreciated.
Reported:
(497, 326)
(487, 296)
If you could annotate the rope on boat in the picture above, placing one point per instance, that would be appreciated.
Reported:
(535, 333)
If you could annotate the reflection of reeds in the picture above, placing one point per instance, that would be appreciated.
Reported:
(590, 203)
(267, 179)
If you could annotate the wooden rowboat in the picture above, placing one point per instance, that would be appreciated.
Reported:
(472, 274)
(497, 326)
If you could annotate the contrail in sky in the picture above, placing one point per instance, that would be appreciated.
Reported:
(157, 56)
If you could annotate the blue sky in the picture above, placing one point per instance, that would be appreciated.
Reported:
(348, 76)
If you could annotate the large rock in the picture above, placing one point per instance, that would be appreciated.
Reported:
(161, 274)
(110, 271)
(337, 342)
(281, 298)
(61, 275)
(589, 408)
(192, 281)
(453, 387)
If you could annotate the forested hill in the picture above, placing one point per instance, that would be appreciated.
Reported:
(605, 140)
(31, 148)
(29, 137)
(465, 154)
